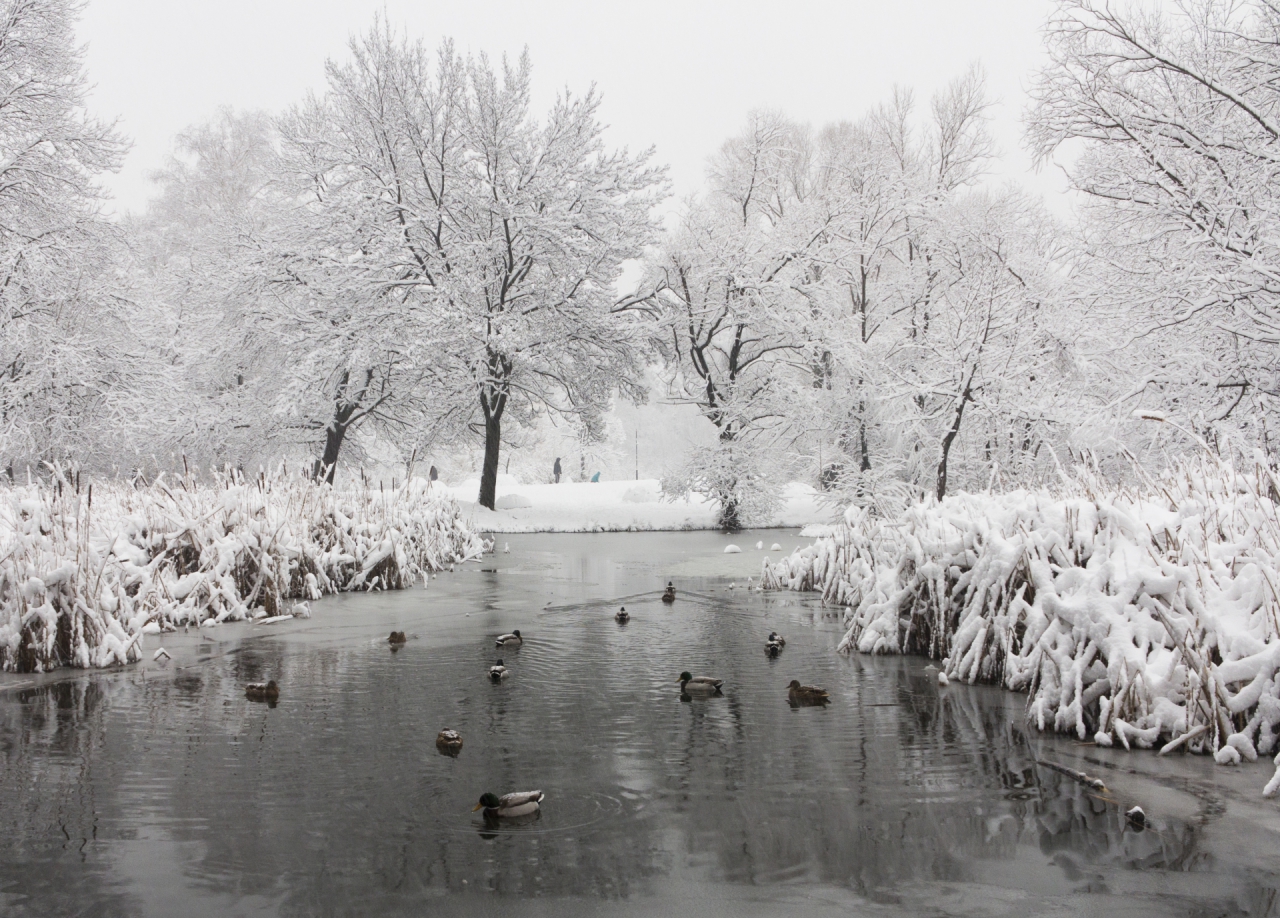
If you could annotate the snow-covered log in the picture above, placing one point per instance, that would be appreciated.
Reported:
(1132, 618)
(84, 570)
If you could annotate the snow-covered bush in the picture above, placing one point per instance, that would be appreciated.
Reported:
(1132, 617)
(84, 570)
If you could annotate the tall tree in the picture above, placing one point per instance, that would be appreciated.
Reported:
(61, 323)
(499, 238)
(1174, 120)
(735, 323)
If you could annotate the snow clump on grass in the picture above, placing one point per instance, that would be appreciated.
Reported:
(1134, 618)
(85, 571)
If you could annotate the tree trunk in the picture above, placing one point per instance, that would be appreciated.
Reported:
(730, 514)
(327, 464)
(492, 442)
(966, 395)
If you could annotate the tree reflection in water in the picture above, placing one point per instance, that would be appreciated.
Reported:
(121, 788)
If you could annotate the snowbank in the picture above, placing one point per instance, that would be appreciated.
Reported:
(84, 572)
(1132, 618)
(612, 506)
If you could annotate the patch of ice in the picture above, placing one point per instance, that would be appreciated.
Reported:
(732, 550)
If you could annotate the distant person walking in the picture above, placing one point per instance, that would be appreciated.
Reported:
(433, 474)
(556, 471)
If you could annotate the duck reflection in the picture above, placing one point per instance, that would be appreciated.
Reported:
(894, 784)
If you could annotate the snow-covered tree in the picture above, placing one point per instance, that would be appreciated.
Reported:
(193, 250)
(64, 339)
(1169, 120)
(735, 324)
(490, 242)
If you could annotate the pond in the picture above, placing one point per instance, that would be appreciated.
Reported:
(161, 790)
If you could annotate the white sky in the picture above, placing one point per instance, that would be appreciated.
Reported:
(680, 76)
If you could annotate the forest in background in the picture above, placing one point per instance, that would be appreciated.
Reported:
(412, 261)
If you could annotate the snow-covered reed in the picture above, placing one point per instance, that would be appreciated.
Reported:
(83, 571)
(1139, 617)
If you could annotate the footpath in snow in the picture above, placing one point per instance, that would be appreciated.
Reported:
(612, 506)
(1145, 619)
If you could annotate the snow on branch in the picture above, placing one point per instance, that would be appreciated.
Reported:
(83, 573)
(1130, 618)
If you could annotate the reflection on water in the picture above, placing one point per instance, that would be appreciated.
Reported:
(166, 791)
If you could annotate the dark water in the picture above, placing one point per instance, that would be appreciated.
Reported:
(163, 791)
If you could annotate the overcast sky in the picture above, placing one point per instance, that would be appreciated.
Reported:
(680, 76)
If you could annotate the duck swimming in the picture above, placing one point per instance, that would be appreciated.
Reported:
(623, 616)
(670, 595)
(449, 741)
(774, 644)
(690, 684)
(799, 694)
(262, 691)
(508, 806)
(498, 672)
(397, 640)
(509, 640)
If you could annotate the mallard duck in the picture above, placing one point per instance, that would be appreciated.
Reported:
(776, 638)
(690, 683)
(397, 640)
(262, 691)
(520, 803)
(623, 616)
(449, 741)
(509, 640)
(806, 694)
(498, 672)
(772, 649)
(670, 594)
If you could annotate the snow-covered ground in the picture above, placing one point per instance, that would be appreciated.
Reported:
(613, 506)
(1131, 618)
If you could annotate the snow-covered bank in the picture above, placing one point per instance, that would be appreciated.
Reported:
(613, 506)
(84, 572)
(1129, 618)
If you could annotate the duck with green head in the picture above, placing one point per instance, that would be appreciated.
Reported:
(509, 806)
(708, 685)
(510, 640)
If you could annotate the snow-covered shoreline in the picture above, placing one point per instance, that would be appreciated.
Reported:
(614, 506)
(84, 572)
(1130, 618)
